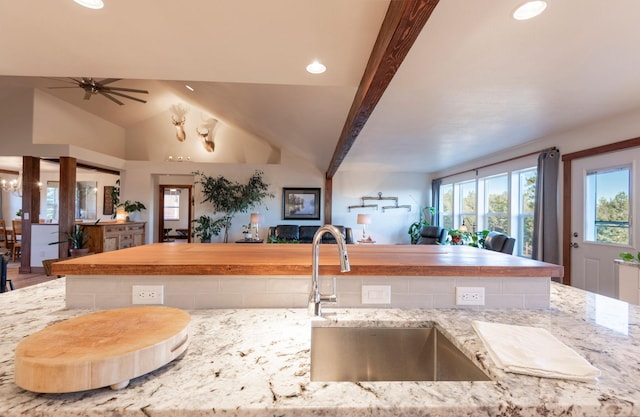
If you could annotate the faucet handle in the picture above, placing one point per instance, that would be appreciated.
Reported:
(330, 298)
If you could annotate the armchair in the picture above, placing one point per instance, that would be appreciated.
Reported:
(499, 242)
(432, 235)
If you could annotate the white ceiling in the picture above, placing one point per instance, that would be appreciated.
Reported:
(475, 82)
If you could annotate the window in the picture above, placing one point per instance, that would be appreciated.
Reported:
(496, 203)
(446, 206)
(524, 183)
(502, 202)
(607, 206)
(172, 204)
(467, 205)
(53, 201)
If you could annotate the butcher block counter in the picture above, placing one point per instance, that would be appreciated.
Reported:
(295, 259)
(206, 275)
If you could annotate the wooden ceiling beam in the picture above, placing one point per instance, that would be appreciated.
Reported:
(400, 28)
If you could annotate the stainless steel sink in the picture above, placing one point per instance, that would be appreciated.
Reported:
(388, 354)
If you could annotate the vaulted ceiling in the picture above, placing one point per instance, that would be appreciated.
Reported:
(474, 83)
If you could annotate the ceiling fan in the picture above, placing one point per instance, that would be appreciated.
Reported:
(92, 87)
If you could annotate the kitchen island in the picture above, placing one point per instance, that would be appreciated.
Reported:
(255, 362)
(207, 275)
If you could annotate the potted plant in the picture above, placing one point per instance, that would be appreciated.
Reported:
(423, 220)
(132, 208)
(206, 227)
(77, 239)
(230, 197)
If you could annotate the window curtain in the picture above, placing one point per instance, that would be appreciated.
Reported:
(545, 245)
(435, 201)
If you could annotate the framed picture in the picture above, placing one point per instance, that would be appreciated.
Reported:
(301, 203)
(107, 205)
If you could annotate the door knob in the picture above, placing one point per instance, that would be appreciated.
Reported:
(575, 234)
(574, 245)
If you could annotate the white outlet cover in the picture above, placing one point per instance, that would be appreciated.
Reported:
(147, 294)
(376, 294)
(470, 296)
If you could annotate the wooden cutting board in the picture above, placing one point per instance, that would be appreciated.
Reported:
(106, 348)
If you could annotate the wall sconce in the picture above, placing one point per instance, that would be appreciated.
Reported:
(178, 118)
(364, 220)
(178, 158)
(254, 220)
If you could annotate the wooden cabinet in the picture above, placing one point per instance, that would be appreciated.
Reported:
(109, 236)
(629, 282)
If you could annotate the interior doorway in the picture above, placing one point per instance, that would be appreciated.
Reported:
(175, 218)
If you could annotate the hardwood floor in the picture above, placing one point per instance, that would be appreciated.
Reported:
(24, 280)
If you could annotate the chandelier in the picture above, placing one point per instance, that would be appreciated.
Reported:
(13, 185)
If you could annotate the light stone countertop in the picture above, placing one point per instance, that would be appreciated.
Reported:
(255, 362)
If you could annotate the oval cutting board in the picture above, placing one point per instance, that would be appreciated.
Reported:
(106, 348)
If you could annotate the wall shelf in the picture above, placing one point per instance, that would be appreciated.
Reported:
(380, 198)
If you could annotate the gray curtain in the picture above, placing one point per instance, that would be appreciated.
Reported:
(546, 246)
(435, 201)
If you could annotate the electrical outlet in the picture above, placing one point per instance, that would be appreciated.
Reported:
(147, 294)
(470, 296)
(376, 294)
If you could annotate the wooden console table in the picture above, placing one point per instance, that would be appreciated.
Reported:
(110, 236)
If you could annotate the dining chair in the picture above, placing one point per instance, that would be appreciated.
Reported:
(4, 260)
(4, 239)
(17, 239)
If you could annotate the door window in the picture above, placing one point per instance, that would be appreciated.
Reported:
(607, 211)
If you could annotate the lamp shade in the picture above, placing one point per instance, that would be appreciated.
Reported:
(364, 219)
(255, 218)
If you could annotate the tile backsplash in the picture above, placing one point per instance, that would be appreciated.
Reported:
(265, 291)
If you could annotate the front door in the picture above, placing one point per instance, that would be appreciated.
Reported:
(601, 218)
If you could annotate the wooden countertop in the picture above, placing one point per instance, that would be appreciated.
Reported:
(295, 259)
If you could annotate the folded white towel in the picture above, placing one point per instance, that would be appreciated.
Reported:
(533, 351)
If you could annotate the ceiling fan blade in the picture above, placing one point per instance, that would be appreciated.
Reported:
(124, 95)
(131, 90)
(115, 100)
(87, 95)
(108, 81)
(75, 86)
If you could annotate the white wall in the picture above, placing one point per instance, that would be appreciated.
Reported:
(155, 140)
(391, 225)
(139, 181)
(58, 122)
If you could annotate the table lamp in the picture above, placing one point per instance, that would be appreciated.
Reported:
(254, 220)
(364, 220)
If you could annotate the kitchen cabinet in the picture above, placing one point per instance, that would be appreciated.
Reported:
(629, 282)
(110, 236)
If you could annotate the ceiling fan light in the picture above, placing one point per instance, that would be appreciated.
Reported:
(530, 9)
(316, 68)
(91, 4)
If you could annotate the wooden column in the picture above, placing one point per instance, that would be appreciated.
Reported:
(67, 200)
(30, 208)
(328, 200)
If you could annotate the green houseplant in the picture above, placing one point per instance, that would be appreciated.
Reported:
(230, 197)
(77, 238)
(423, 220)
(206, 227)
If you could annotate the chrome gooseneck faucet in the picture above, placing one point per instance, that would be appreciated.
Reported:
(315, 298)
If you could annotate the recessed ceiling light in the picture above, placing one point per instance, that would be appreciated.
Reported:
(316, 68)
(189, 87)
(530, 10)
(91, 4)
